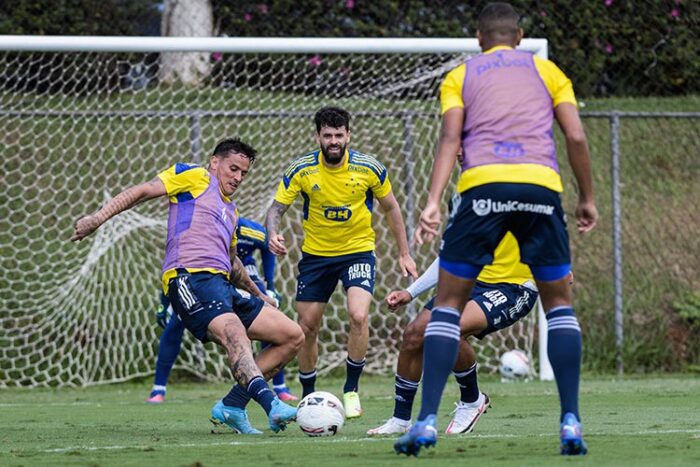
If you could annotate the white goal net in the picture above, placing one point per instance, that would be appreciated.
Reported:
(82, 120)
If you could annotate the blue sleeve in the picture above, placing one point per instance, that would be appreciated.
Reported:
(268, 263)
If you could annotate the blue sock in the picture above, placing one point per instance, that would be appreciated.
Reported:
(353, 372)
(468, 387)
(237, 397)
(260, 391)
(440, 349)
(308, 382)
(564, 345)
(278, 380)
(405, 391)
(168, 350)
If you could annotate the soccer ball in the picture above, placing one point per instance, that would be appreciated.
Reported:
(320, 414)
(514, 366)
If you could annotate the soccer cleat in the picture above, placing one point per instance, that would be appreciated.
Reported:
(285, 395)
(351, 401)
(571, 437)
(392, 426)
(234, 418)
(421, 434)
(467, 414)
(156, 397)
(280, 414)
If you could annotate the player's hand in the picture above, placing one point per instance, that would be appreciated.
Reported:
(408, 266)
(398, 298)
(84, 227)
(276, 244)
(586, 216)
(428, 225)
(269, 300)
(274, 296)
(163, 315)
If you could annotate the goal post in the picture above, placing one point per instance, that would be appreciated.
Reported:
(92, 115)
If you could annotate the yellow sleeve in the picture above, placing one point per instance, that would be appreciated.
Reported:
(287, 190)
(557, 83)
(382, 185)
(184, 178)
(451, 89)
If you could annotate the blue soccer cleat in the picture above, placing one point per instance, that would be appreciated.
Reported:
(280, 414)
(234, 418)
(421, 434)
(571, 437)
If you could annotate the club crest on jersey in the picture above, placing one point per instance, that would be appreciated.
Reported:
(338, 214)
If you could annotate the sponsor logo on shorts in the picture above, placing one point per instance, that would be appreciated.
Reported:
(483, 207)
(496, 297)
(520, 305)
(243, 293)
(360, 271)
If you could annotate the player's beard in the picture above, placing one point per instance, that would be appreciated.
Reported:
(331, 158)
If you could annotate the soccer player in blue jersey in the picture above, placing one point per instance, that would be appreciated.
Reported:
(208, 285)
(338, 186)
(500, 107)
(251, 238)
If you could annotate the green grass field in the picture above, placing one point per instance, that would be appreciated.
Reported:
(633, 421)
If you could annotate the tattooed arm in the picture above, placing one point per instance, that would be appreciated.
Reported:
(272, 221)
(241, 279)
(127, 199)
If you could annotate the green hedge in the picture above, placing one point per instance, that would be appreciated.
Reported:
(79, 17)
(607, 47)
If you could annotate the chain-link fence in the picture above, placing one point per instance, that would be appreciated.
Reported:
(80, 126)
(636, 287)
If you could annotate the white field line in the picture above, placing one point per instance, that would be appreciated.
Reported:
(343, 440)
(79, 404)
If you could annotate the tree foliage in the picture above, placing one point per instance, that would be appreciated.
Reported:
(607, 47)
(78, 17)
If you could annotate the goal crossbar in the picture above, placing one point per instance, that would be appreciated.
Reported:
(326, 45)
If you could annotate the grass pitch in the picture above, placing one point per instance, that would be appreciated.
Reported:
(633, 421)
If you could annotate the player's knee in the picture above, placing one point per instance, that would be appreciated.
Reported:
(297, 338)
(412, 338)
(309, 329)
(358, 319)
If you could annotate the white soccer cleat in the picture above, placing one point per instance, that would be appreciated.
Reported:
(466, 415)
(392, 426)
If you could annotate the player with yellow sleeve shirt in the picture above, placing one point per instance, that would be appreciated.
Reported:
(338, 186)
(503, 294)
(502, 114)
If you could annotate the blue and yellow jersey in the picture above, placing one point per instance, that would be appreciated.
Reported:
(251, 237)
(560, 90)
(506, 265)
(337, 201)
(201, 223)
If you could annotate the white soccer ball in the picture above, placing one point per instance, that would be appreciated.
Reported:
(514, 366)
(320, 414)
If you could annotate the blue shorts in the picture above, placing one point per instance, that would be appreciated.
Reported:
(503, 304)
(318, 275)
(532, 213)
(199, 297)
